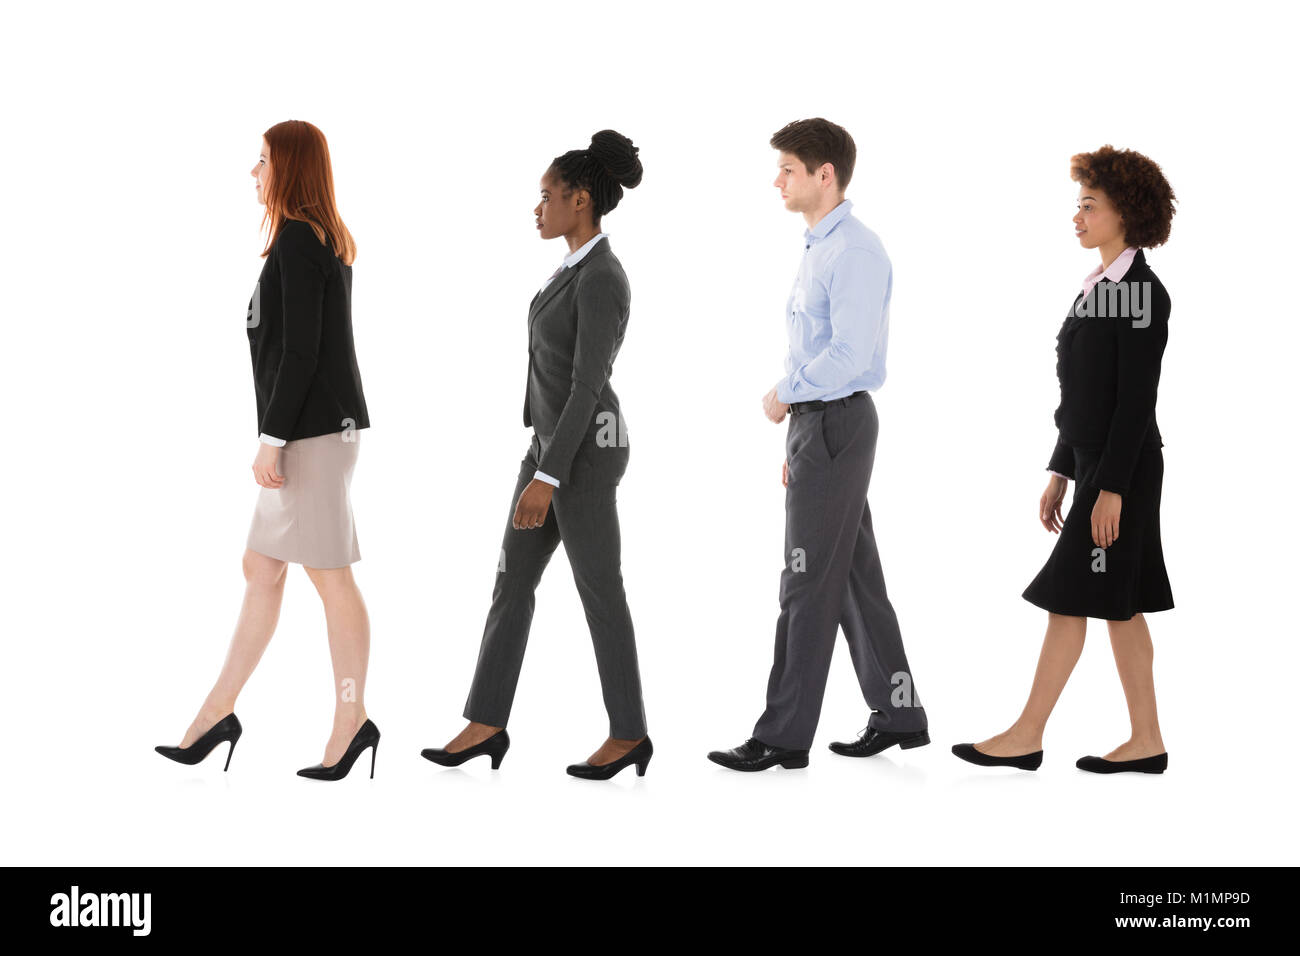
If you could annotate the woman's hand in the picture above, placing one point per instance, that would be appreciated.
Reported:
(265, 466)
(1049, 506)
(533, 504)
(1105, 519)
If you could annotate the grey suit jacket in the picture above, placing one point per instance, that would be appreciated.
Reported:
(575, 328)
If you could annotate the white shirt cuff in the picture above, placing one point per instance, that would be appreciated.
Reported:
(1059, 475)
(268, 440)
(543, 476)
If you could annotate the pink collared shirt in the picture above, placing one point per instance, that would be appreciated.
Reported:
(1113, 272)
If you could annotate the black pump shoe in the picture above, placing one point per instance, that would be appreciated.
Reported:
(873, 741)
(639, 755)
(494, 747)
(1156, 764)
(227, 728)
(754, 755)
(968, 753)
(366, 736)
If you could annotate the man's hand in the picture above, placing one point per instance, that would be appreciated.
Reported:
(785, 474)
(265, 466)
(533, 505)
(1049, 506)
(774, 408)
(1105, 519)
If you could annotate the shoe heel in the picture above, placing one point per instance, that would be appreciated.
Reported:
(233, 741)
(795, 763)
(641, 765)
(920, 741)
(497, 758)
(374, 751)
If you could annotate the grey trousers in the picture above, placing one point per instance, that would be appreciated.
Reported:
(833, 579)
(585, 517)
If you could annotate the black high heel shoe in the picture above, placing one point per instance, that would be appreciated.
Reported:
(495, 747)
(227, 728)
(968, 753)
(639, 755)
(366, 736)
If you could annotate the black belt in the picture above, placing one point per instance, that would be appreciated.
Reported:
(818, 405)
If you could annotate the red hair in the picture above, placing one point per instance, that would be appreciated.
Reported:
(302, 187)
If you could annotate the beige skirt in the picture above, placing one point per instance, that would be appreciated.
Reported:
(308, 519)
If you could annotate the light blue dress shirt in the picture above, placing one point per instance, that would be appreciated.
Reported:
(573, 258)
(837, 315)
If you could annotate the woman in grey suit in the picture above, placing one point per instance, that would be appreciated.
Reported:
(567, 481)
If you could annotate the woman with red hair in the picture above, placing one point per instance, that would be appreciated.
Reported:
(310, 412)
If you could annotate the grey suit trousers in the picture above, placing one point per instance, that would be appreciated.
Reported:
(833, 579)
(583, 515)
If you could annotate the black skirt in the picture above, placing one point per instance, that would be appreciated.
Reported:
(1082, 580)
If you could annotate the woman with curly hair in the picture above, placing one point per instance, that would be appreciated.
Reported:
(1107, 562)
(567, 482)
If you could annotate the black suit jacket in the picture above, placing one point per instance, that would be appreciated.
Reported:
(1108, 356)
(575, 329)
(300, 334)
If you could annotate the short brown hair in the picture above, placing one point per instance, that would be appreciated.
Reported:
(816, 141)
(1137, 187)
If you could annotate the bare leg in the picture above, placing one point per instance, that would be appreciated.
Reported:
(1061, 649)
(263, 593)
(1131, 642)
(611, 750)
(348, 627)
(474, 733)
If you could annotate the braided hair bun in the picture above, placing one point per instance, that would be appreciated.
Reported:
(604, 169)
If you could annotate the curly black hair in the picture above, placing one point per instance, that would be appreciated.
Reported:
(604, 168)
(1136, 186)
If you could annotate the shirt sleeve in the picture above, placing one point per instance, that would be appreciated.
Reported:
(602, 300)
(859, 281)
(302, 280)
(1139, 349)
(543, 476)
(266, 439)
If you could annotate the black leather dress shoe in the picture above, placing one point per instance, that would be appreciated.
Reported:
(639, 755)
(753, 754)
(1156, 764)
(873, 741)
(968, 753)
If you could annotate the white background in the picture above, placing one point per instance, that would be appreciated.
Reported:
(130, 247)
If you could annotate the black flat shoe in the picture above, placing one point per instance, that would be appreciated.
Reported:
(639, 755)
(753, 755)
(366, 736)
(227, 728)
(1156, 764)
(495, 747)
(873, 741)
(968, 753)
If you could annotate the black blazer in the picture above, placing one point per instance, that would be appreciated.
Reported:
(1108, 362)
(575, 329)
(300, 334)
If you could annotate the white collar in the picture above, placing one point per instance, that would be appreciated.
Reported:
(573, 258)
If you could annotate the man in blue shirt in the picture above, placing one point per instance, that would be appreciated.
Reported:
(837, 317)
